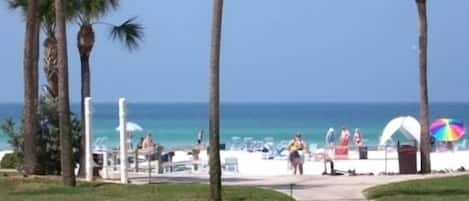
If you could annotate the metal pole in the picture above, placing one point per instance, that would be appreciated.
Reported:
(149, 167)
(105, 165)
(136, 160)
(88, 135)
(291, 189)
(123, 140)
(386, 158)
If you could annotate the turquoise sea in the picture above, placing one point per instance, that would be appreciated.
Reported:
(177, 124)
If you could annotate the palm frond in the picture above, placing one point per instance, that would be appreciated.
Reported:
(130, 33)
(95, 9)
(17, 4)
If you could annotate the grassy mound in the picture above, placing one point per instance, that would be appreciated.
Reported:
(454, 188)
(40, 189)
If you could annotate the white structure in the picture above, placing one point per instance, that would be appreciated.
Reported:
(407, 125)
(123, 140)
(88, 155)
(131, 127)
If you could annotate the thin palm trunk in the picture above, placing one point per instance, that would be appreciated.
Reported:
(424, 109)
(68, 175)
(36, 63)
(50, 65)
(30, 102)
(214, 111)
(85, 92)
(85, 42)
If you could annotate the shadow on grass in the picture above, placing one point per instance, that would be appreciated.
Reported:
(80, 188)
(184, 179)
(55, 191)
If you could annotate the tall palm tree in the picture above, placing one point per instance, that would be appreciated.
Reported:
(424, 136)
(30, 88)
(214, 116)
(68, 175)
(88, 14)
(46, 17)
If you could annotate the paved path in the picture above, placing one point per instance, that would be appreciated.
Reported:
(326, 188)
(304, 188)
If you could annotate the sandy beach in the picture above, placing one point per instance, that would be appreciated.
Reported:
(253, 164)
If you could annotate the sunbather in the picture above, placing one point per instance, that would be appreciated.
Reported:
(148, 142)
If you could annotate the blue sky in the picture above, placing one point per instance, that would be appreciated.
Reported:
(272, 51)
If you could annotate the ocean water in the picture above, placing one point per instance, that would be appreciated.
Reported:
(177, 124)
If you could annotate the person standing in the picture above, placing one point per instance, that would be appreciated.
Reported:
(357, 138)
(342, 149)
(344, 136)
(330, 138)
(200, 137)
(296, 147)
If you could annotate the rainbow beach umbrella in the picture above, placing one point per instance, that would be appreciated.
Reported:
(447, 130)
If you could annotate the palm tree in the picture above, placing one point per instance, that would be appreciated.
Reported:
(424, 136)
(30, 88)
(88, 14)
(214, 119)
(46, 17)
(68, 175)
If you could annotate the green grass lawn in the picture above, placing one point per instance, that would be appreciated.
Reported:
(40, 189)
(446, 188)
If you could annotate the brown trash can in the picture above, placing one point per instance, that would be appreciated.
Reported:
(407, 156)
(363, 152)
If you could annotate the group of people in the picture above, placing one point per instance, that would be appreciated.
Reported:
(344, 137)
(297, 146)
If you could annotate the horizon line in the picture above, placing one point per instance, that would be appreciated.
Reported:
(257, 102)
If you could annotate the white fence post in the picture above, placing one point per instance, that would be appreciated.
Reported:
(88, 135)
(123, 140)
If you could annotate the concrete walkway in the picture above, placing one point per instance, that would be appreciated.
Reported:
(325, 188)
(303, 188)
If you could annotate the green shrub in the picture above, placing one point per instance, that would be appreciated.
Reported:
(9, 161)
(47, 138)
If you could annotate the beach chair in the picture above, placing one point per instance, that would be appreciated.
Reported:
(236, 143)
(313, 148)
(460, 146)
(231, 164)
(258, 145)
(248, 144)
(268, 151)
(280, 150)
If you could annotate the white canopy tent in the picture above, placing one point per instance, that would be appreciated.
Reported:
(407, 125)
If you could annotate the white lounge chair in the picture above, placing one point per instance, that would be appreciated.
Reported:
(231, 165)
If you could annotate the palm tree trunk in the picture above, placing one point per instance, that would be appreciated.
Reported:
(36, 63)
(424, 109)
(85, 92)
(50, 65)
(68, 175)
(214, 111)
(85, 42)
(30, 102)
